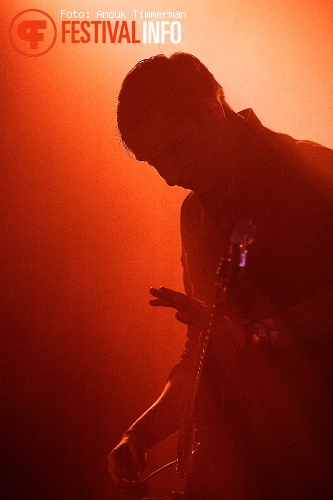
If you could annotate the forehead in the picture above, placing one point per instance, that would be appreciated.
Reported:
(157, 131)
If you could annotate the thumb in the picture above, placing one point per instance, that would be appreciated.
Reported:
(183, 318)
(187, 320)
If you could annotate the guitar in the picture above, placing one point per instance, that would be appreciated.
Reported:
(227, 275)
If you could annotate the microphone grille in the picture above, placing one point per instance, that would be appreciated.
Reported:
(244, 233)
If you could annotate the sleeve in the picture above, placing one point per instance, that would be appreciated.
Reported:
(317, 162)
(190, 222)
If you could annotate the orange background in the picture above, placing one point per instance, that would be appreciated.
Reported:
(86, 230)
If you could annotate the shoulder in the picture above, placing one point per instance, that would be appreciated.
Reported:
(316, 165)
(190, 217)
(191, 210)
(191, 207)
(315, 153)
(284, 143)
(309, 150)
(307, 161)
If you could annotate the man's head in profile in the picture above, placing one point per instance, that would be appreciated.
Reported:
(172, 114)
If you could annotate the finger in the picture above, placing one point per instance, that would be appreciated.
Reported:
(121, 464)
(164, 293)
(154, 291)
(119, 472)
(118, 476)
(171, 298)
(190, 320)
(184, 318)
(160, 302)
(193, 308)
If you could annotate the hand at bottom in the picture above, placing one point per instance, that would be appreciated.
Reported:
(125, 462)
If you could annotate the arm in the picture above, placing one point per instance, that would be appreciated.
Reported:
(160, 421)
(308, 323)
(163, 418)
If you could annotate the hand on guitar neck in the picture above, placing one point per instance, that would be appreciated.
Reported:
(189, 311)
(196, 313)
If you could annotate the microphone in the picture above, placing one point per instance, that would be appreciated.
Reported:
(230, 265)
(242, 236)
